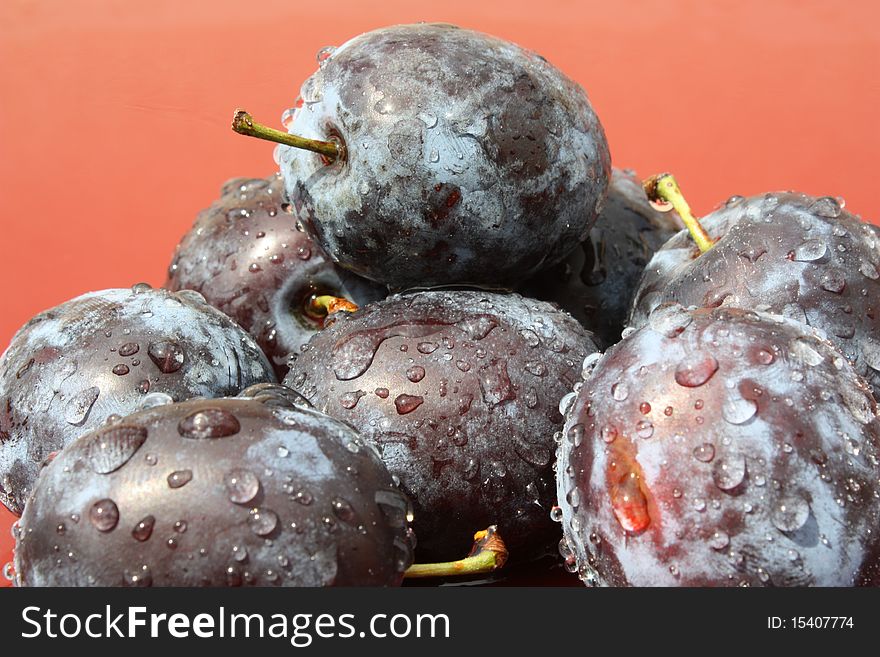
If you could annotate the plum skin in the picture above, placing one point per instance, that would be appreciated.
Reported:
(250, 258)
(468, 160)
(786, 253)
(761, 470)
(596, 282)
(248, 491)
(72, 366)
(460, 392)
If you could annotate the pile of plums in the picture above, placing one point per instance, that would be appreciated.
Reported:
(481, 330)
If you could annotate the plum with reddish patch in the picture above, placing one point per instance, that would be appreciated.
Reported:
(460, 391)
(721, 447)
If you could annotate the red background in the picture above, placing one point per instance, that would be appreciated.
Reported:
(114, 115)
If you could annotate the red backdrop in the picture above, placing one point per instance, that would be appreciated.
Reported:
(114, 115)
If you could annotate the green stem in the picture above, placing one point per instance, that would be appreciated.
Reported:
(487, 554)
(664, 187)
(244, 124)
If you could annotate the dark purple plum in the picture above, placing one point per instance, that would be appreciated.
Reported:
(466, 159)
(460, 391)
(249, 491)
(721, 447)
(250, 258)
(802, 257)
(597, 281)
(100, 354)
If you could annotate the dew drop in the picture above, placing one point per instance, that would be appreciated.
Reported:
(104, 515)
(729, 472)
(144, 529)
(407, 403)
(109, 449)
(242, 485)
(738, 410)
(705, 452)
(695, 371)
(790, 513)
(262, 521)
(209, 423)
(77, 409)
(167, 355)
(179, 478)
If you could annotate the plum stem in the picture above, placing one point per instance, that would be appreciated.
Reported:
(487, 554)
(664, 188)
(244, 124)
(321, 306)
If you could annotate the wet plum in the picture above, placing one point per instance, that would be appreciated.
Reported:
(100, 354)
(460, 391)
(596, 282)
(248, 491)
(249, 257)
(465, 158)
(803, 257)
(722, 447)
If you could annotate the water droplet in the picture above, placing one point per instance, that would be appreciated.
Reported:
(719, 540)
(738, 410)
(242, 485)
(566, 403)
(167, 356)
(705, 452)
(350, 399)
(427, 347)
(575, 435)
(833, 280)
(644, 429)
(630, 505)
(262, 521)
(394, 506)
(407, 403)
(434, 156)
(589, 364)
(609, 433)
(179, 478)
(802, 351)
(104, 515)
(111, 448)
(790, 513)
(415, 373)
(78, 407)
(209, 423)
(809, 251)
(869, 270)
(670, 320)
(144, 529)
(826, 206)
(536, 368)
(343, 510)
(729, 472)
(695, 370)
(556, 514)
(138, 577)
(620, 391)
(154, 399)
